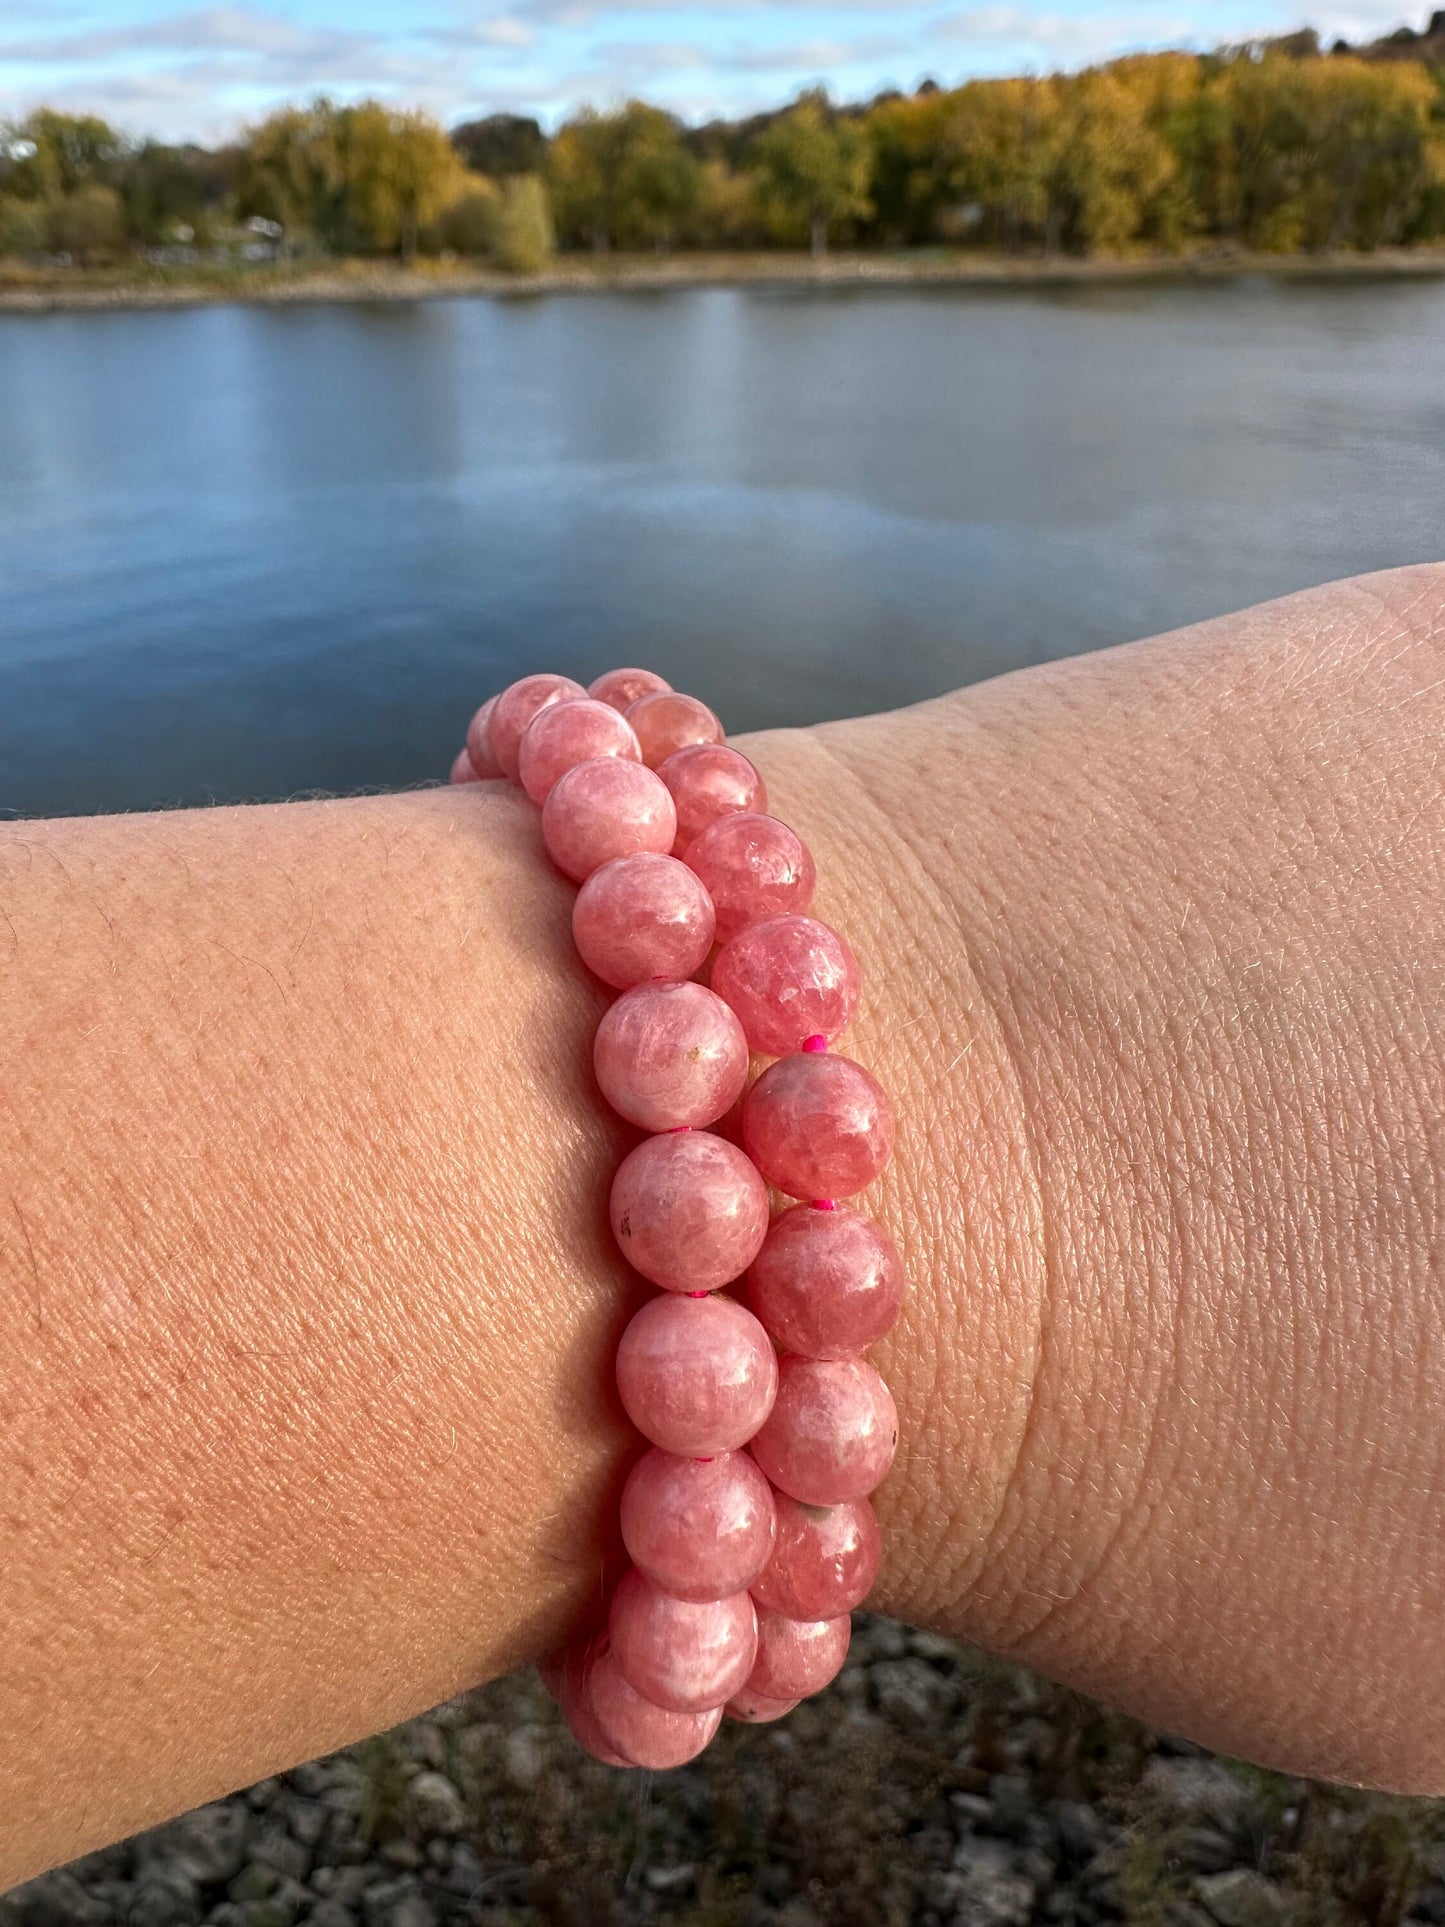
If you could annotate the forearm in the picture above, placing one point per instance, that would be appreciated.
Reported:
(308, 1297)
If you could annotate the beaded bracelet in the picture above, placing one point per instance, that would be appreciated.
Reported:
(747, 1523)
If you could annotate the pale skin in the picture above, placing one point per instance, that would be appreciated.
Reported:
(307, 1296)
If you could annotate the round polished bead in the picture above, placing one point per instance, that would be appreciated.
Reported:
(788, 978)
(688, 1210)
(709, 780)
(479, 741)
(622, 687)
(462, 771)
(604, 809)
(667, 722)
(754, 867)
(684, 1654)
(756, 1708)
(642, 916)
(565, 734)
(824, 1559)
(700, 1528)
(818, 1126)
(832, 1430)
(826, 1283)
(797, 1656)
(569, 1682)
(515, 708)
(637, 1729)
(670, 1055)
(696, 1375)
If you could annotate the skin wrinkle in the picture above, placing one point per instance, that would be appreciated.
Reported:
(876, 872)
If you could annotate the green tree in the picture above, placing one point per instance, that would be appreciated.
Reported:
(166, 190)
(49, 154)
(909, 179)
(467, 224)
(501, 145)
(813, 168)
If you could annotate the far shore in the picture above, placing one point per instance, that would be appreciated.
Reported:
(52, 290)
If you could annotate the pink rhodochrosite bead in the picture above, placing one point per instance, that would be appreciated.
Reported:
(570, 1684)
(797, 1656)
(818, 1126)
(688, 1210)
(754, 867)
(699, 1528)
(642, 916)
(709, 780)
(565, 734)
(826, 1283)
(667, 722)
(462, 771)
(479, 741)
(684, 1654)
(621, 688)
(756, 1708)
(824, 1559)
(832, 1430)
(515, 708)
(696, 1376)
(670, 1055)
(788, 978)
(604, 809)
(637, 1729)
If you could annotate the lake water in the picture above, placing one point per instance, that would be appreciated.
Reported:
(248, 552)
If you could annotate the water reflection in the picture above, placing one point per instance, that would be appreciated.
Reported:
(244, 552)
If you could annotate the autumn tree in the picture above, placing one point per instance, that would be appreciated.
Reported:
(291, 171)
(57, 187)
(996, 154)
(909, 175)
(813, 169)
(622, 179)
(1111, 177)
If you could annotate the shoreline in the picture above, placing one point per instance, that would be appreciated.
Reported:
(71, 291)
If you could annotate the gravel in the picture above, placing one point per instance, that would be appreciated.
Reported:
(930, 1787)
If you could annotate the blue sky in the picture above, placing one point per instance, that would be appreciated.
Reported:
(200, 71)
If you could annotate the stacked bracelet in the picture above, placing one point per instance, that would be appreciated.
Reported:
(747, 1523)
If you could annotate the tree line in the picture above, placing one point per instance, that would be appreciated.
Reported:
(1276, 147)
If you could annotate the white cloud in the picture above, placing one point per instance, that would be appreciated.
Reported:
(219, 29)
(1070, 36)
(199, 71)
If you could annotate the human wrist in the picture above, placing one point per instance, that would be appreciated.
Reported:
(960, 1193)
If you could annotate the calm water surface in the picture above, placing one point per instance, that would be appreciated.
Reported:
(245, 552)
